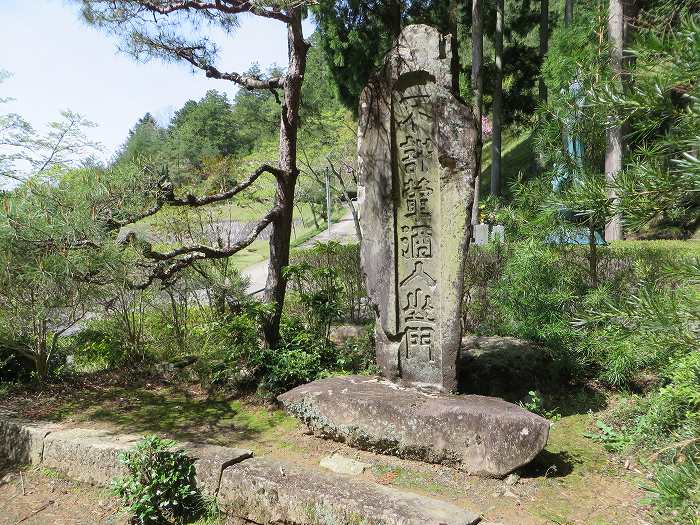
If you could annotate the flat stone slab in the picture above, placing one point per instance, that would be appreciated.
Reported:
(344, 465)
(483, 436)
(267, 491)
(87, 455)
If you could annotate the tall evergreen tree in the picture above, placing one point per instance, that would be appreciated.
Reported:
(615, 144)
(477, 84)
(146, 141)
(356, 34)
(497, 103)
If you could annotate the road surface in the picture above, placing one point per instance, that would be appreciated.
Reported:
(342, 231)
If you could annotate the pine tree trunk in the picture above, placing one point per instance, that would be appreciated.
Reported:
(41, 355)
(614, 139)
(544, 38)
(478, 91)
(284, 199)
(497, 103)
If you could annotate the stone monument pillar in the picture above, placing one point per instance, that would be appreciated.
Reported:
(416, 158)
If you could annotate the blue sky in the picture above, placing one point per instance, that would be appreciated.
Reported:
(57, 62)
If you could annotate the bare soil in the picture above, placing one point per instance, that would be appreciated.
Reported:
(41, 497)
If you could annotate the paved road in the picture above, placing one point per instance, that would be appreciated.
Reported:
(342, 231)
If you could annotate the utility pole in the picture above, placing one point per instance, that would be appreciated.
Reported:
(328, 201)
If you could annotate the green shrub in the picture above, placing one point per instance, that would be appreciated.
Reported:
(160, 486)
(319, 294)
(677, 491)
(673, 411)
(536, 295)
(97, 347)
(632, 334)
(230, 349)
(300, 357)
(357, 354)
(344, 260)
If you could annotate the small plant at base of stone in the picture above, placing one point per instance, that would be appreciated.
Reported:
(535, 405)
(160, 485)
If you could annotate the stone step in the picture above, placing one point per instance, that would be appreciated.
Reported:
(480, 435)
(22, 442)
(87, 455)
(258, 490)
(263, 490)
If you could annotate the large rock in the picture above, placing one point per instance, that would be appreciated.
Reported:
(416, 158)
(267, 491)
(343, 465)
(483, 436)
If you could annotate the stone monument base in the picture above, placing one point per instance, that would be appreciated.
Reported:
(483, 436)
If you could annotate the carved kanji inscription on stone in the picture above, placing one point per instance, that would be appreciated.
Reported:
(417, 224)
(416, 164)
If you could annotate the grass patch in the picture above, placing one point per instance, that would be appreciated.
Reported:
(517, 156)
(178, 415)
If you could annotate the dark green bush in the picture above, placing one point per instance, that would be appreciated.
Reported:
(160, 486)
(671, 413)
(319, 294)
(536, 295)
(302, 356)
(97, 347)
(230, 350)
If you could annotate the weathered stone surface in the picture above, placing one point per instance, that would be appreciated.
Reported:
(267, 491)
(210, 462)
(498, 233)
(481, 234)
(22, 442)
(481, 435)
(343, 465)
(416, 159)
(91, 456)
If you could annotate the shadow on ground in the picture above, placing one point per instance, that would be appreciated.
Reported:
(510, 368)
(550, 464)
(151, 407)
